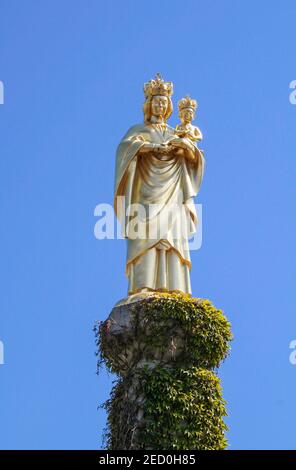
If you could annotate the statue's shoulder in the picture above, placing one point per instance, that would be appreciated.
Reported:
(170, 129)
(137, 129)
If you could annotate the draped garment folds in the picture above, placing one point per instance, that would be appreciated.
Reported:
(158, 255)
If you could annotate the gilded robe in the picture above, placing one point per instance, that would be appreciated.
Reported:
(165, 186)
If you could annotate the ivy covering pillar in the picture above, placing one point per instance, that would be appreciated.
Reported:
(164, 350)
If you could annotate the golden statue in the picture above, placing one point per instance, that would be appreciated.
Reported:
(160, 169)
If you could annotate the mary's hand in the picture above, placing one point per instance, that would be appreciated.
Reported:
(149, 147)
(182, 143)
(146, 148)
(163, 149)
(183, 148)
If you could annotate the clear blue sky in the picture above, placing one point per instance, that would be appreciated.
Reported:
(73, 75)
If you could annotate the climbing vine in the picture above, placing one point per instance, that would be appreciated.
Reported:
(166, 395)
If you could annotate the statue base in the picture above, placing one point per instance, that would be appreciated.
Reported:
(163, 348)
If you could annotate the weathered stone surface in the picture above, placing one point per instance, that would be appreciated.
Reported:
(127, 334)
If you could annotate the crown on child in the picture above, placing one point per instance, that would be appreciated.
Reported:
(187, 102)
(158, 86)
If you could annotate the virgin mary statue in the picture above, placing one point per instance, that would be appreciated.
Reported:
(158, 173)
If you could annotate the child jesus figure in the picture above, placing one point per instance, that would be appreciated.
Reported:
(187, 107)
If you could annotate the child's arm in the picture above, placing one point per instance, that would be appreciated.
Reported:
(180, 130)
(197, 133)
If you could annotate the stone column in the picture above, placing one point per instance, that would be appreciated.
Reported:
(164, 349)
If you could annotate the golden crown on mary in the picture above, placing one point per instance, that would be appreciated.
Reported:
(158, 86)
